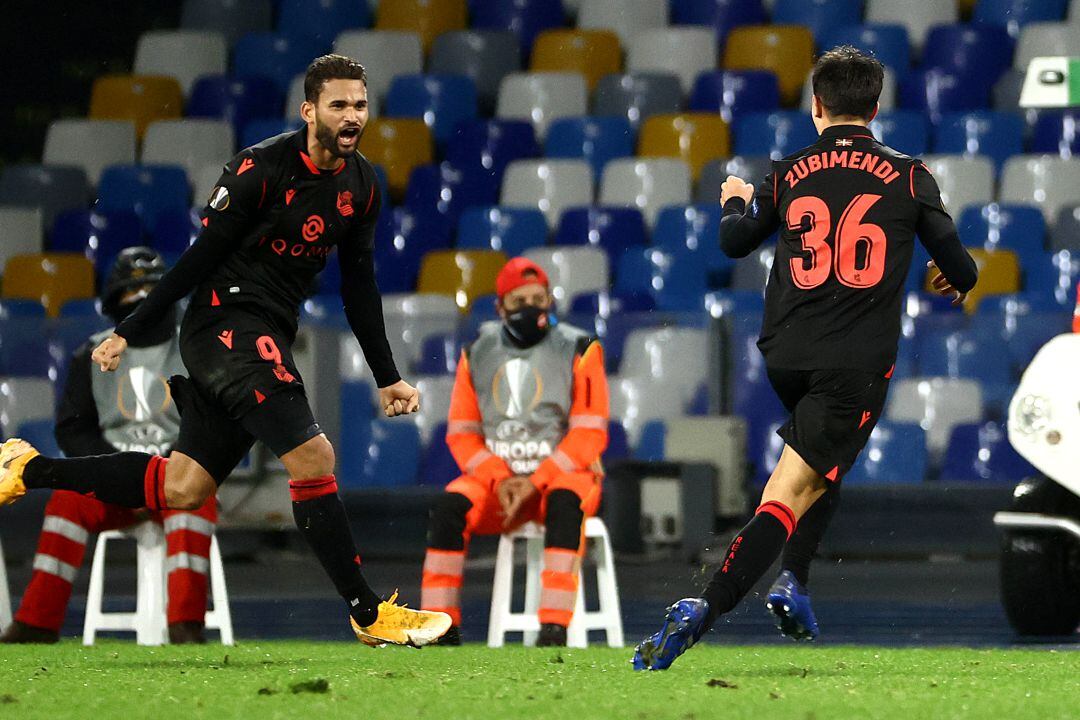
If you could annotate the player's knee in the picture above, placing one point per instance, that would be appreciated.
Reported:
(562, 522)
(189, 489)
(314, 458)
(447, 519)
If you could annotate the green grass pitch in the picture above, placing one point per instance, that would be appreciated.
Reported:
(330, 680)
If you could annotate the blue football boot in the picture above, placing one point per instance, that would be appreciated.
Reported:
(684, 624)
(789, 601)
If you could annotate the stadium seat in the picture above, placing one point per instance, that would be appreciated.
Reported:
(682, 51)
(490, 145)
(53, 189)
(41, 434)
(439, 355)
(818, 15)
(998, 135)
(510, 230)
(904, 130)
(1014, 14)
(92, 145)
(438, 467)
(915, 15)
(618, 447)
(399, 145)
(693, 231)
(572, 271)
(182, 54)
(720, 15)
(145, 189)
(398, 52)
(936, 405)
(402, 238)
(979, 53)
(357, 413)
(999, 274)
(1065, 233)
(752, 272)
(256, 131)
(651, 445)
(95, 234)
(239, 100)
(548, 185)
(786, 50)
(24, 346)
(173, 231)
(637, 97)
(444, 191)
(695, 138)
(541, 98)
(676, 282)
(636, 401)
(322, 21)
(435, 391)
(1023, 322)
(612, 229)
(1056, 278)
(1019, 228)
(484, 309)
(393, 457)
(1041, 39)
(888, 43)
(274, 56)
(1056, 133)
(774, 134)
(1044, 180)
(647, 185)
(22, 230)
(596, 139)
(608, 305)
(410, 317)
(233, 18)
(441, 101)
(49, 278)
(895, 454)
(937, 92)
(464, 275)
(23, 400)
(592, 53)
(423, 17)
(1006, 91)
(735, 91)
(671, 357)
(752, 169)
(486, 57)
(140, 99)
(527, 20)
(191, 144)
(980, 452)
(962, 180)
(963, 354)
(626, 19)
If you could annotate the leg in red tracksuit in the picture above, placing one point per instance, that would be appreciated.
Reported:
(187, 562)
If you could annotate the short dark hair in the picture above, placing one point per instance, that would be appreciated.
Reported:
(848, 82)
(330, 67)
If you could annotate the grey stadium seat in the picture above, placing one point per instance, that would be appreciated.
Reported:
(550, 186)
(183, 54)
(625, 18)
(647, 184)
(542, 97)
(233, 18)
(1065, 233)
(1048, 181)
(486, 56)
(193, 144)
(937, 405)
(751, 168)
(682, 51)
(53, 188)
(673, 357)
(23, 399)
(918, 16)
(572, 270)
(637, 96)
(963, 180)
(21, 231)
(385, 53)
(92, 145)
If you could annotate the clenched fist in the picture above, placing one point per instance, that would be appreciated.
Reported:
(107, 354)
(736, 187)
(401, 398)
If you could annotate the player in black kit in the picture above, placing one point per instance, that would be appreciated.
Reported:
(848, 209)
(277, 212)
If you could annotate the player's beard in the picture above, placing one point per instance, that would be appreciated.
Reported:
(329, 139)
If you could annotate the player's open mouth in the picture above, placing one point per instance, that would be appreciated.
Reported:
(349, 135)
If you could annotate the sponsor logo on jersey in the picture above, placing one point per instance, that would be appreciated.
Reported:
(344, 203)
(219, 198)
(313, 228)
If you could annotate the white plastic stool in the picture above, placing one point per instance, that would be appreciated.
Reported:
(149, 620)
(5, 598)
(503, 620)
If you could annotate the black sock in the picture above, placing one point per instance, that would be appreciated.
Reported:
(751, 553)
(119, 479)
(322, 521)
(446, 522)
(803, 545)
(562, 526)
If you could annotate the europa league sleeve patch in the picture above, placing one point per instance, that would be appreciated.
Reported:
(219, 198)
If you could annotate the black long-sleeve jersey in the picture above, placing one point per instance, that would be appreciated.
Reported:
(848, 209)
(270, 224)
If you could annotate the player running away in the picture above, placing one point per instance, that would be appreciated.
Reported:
(848, 209)
(278, 210)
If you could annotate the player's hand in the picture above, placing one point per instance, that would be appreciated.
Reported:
(107, 354)
(401, 398)
(943, 287)
(736, 187)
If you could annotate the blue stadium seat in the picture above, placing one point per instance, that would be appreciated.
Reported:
(692, 231)
(53, 188)
(1057, 132)
(511, 230)
(438, 355)
(1014, 14)
(441, 101)
(145, 189)
(96, 233)
(490, 145)
(774, 134)
(1056, 277)
(393, 457)
(735, 303)
(85, 308)
(260, 129)
(438, 466)
(240, 100)
(67, 334)
(525, 19)
(24, 346)
(888, 43)
(274, 56)
(612, 229)
(982, 453)
(936, 92)
(818, 15)
(1023, 322)
(974, 51)
(357, 413)
(963, 354)
(676, 282)
(321, 21)
(596, 139)
(722, 15)
(606, 304)
(733, 92)
(895, 454)
(905, 130)
(998, 135)
(651, 442)
(15, 308)
(618, 446)
(174, 230)
(753, 398)
(443, 191)
(1019, 228)
(612, 331)
(482, 311)
(401, 240)
(42, 435)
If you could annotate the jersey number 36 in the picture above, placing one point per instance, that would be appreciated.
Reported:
(851, 233)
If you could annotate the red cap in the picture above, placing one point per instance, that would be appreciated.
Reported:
(519, 271)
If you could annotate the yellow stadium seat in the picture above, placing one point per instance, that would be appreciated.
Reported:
(593, 53)
(696, 138)
(49, 278)
(142, 99)
(398, 145)
(787, 50)
(462, 274)
(426, 18)
(999, 274)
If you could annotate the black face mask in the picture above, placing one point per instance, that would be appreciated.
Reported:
(527, 326)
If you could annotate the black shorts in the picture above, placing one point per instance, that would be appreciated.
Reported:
(832, 414)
